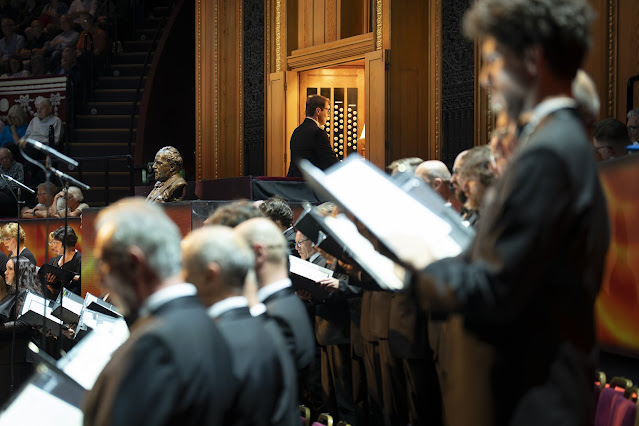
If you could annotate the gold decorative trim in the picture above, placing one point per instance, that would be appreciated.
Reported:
(437, 81)
(216, 90)
(198, 93)
(278, 36)
(611, 60)
(378, 44)
(240, 84)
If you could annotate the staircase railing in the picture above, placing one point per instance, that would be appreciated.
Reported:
(108, 159)
(141, 82)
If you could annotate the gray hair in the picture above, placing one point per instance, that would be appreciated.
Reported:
(17, 111)
(76, 193)
(633, 113)
(219, 244)
(146, 226)
(585, 93)
(433, 169)
(42, 99)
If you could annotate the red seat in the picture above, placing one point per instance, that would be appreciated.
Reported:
(613, 408)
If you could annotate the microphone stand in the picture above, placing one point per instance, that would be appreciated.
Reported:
(16, 266)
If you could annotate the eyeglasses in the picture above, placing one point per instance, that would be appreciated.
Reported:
(633, 128)
(299, 243)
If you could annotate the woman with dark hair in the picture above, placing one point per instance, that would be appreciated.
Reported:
(67, 258)
(27, 280)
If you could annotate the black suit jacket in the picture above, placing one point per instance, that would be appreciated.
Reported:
(175, 369)
(529, 281)
(310, 142)
(259, 369)
(290, 314)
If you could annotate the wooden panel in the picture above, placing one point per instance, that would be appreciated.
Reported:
(276, 148)
(305, 19)
(409, 102)
(219, 97)
(334, 52)
(318, 16)
(406, 123)
(292, 117)
(331, 21)
(375, 77)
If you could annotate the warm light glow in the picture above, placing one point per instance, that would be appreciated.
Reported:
(363, 135)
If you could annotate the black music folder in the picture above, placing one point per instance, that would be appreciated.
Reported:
(98, 305)
(68, 306)
(62, 277)
(309, 223)
(395, 212)
(305, 276)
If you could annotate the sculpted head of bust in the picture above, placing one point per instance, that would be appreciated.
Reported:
(168, 162)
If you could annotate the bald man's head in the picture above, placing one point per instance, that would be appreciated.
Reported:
(436, 174)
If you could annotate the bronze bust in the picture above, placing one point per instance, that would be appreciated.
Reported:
(170, 185)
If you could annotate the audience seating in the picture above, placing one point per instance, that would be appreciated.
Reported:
(614, 406)
(324, 419)
(305, 415)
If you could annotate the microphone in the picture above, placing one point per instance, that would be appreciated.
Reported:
(17, 182)
(71, 179)
(47, 150)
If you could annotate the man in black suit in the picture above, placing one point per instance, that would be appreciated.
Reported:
(528, 282)
(217, 261)
(310, 140)
(175, 367)
(275, 292)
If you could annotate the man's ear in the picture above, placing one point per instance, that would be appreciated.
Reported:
(437, 182)
(260, 254)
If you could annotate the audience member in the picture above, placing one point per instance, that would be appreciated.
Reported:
(17, 127)
(34, 44)
(45, 195)
(68, 38)
(610, 139)
(51, 13)
(633, 125)
(38, 66)
(477, 176)
(175, 367)
(38, 128)
(73, 206)
(98, 36)
(216, 260)
(13, 237)
(78, 7)
(503, 142)
(12, 43)
(16, 68)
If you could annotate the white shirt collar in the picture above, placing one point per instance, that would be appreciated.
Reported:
(227, 304)
(164, 296)
(316, 122)
(314, 256)
(264, 292)
(543, 110)
(257, 310)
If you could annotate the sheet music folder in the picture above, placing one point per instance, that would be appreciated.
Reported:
(36, 311)
(393, 214)
(62, 276)
(305, 276)
(68, 307)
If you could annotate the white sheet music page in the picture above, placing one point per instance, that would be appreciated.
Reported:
(394, 216)
(85, 361)
(308, 270)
